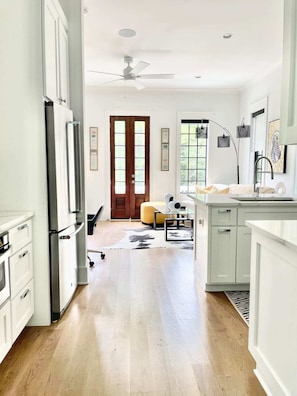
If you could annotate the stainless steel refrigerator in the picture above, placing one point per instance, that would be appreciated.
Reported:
(64, 167)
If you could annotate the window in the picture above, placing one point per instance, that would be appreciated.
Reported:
(193, 157)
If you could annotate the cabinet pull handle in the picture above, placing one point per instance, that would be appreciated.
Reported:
(23, 254)
(224, 210)
(224, 230)
(24, 295)
(22, 227)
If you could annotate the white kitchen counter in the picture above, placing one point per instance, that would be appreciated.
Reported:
(281, 231)
(9, 219)
(230, 200)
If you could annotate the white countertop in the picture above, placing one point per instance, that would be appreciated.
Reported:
(9, 219)
(282, 231)
(230, 200)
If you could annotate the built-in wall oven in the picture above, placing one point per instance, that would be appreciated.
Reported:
(4, 273)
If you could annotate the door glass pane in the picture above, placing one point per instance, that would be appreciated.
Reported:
(120, 156)
(139, 164)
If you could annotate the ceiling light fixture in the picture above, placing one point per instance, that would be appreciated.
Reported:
(227, 35)
(127, 33)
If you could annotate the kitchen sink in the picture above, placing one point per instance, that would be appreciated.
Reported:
(262, 198)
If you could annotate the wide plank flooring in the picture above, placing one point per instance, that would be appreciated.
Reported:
(141, 327)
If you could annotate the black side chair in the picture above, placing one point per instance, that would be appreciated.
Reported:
(92, 221)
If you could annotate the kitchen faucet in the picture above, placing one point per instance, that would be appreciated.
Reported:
(256, 171)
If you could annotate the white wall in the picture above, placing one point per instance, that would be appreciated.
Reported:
(163, 107)
(268, 86)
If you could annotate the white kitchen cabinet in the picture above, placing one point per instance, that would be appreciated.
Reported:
(22, 309)
(223, 241)
(243, 255)
(21, 277)
(273, 296)
(20, 236)
(21, 269)
(5, 330)
(55, 53)
(288, 118)
(223, 254)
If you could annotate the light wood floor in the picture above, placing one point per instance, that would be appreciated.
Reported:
(141, 327)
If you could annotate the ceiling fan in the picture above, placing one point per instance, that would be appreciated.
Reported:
(132, 73)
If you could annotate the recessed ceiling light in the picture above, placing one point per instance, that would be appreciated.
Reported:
(127, 33)
(227, 35)
(198, 76)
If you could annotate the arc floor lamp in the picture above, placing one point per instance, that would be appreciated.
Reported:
(224, 140)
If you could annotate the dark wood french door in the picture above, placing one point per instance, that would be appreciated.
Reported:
(129, 142)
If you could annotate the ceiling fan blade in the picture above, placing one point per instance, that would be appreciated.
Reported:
(139, 67)
(109, 82)
(111, 74)
(156, 76)
(137, 85)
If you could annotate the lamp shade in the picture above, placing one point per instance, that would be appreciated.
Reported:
(243, 131)
(223, 141)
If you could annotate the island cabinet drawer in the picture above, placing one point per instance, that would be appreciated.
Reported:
(224, 216)
(20, 235)
(266, 213)
(21, 269)
(22, 309)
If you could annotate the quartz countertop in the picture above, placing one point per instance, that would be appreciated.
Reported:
(9, 219)
(230, 200)
(282, 231)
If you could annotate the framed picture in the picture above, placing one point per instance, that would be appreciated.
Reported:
(164, 135)
(93, 148)
(277, 153)
(165, 157)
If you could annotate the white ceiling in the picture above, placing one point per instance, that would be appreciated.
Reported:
(184, 37)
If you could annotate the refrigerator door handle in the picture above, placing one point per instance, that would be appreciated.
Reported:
(74, 166)
(77, 230)
(78, 164)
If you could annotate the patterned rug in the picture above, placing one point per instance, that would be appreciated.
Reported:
(241, 302)
(148, 238)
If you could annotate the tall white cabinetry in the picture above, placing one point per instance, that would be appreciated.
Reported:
(288, 119)
(55, 53)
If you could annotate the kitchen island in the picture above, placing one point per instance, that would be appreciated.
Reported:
(222, 241)
(273, 303)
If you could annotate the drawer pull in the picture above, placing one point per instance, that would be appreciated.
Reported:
(23, 254)
(224, 210)
(224, 230)
(24, 295)
(22, 227)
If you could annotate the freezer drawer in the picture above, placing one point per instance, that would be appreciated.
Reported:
(63, 270)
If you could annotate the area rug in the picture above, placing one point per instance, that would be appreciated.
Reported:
(148, 238)
(241, 302)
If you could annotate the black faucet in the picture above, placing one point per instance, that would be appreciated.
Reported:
(256, 170)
